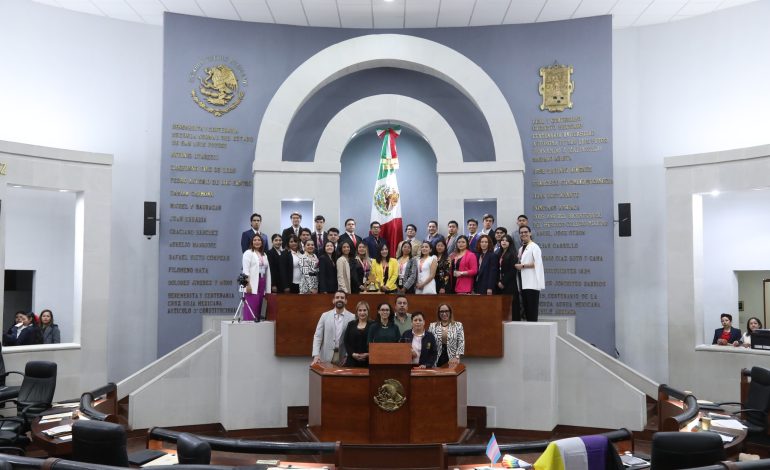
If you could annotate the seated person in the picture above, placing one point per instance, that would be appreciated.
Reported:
(753, 324)
(727, 334)
(385, 330)
(24, 332)
(424, 347)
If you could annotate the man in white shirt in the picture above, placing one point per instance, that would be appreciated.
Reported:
(328, 344)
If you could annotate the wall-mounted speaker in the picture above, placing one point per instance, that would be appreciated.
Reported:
(624, 219)
(150, 218)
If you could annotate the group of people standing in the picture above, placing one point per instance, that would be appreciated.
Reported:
(342, 338)
(28, 329)
(483, 261)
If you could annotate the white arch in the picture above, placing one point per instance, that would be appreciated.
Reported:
(397, 109)
(319, 180)
(388, 50)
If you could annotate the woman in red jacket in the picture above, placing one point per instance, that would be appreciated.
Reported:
(464, 267)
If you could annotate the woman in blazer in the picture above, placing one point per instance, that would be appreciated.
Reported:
(407, 270)
(464, 267)
(506, 283)
(48, 329)
(727, 335)
(424, 347)
(385, 271)
(256, 266)
(290, 272)
(274, 260)
(345, 270)
(487, 275)
(327, 269)
(450, 337)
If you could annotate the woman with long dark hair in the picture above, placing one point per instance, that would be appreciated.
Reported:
(257, 267)
(327, 269)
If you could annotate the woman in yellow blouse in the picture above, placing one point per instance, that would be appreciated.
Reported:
(385, 271)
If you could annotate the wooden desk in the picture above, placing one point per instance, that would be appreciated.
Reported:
(340, 401)
(482, 316)
(54, 447)
(243, 460)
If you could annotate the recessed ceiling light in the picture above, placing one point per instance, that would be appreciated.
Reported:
(715, 193)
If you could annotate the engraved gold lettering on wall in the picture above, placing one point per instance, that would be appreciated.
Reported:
(562, 218)
(196, 170)
(3, 169)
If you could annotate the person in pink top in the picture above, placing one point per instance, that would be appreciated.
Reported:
(464, 266)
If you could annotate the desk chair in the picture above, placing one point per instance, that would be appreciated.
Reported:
(755, 403)
(678, 450)
(7, 392)
(99, 442)
(35, 397)
(191, 449)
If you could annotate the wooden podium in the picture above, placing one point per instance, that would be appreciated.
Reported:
(345, 403)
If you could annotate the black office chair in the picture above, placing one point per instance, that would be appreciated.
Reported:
(35, 397)
(677, 450)
(99, 442)
(7, 392)
(192, 450)
(756, 404)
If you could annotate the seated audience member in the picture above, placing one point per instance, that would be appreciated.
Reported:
(385, 271)
(753, 324)
(489, 266)
(290, 272)
(464, 267)
(24, 332)
(356, 337)
(308, 266)
(449, 335)
(327, 269)
(48, 329)
(443, 268)
(426, 269)
(345, 269)
(424, 348)
(407, 270)
(384, 330)
(727, 334)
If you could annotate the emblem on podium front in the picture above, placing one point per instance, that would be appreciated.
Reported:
(390, 395)
(556, 87)
(219, 85)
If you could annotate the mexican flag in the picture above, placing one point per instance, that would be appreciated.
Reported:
(386, 201)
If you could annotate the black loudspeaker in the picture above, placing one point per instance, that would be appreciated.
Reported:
(624, 219)
(150, 218)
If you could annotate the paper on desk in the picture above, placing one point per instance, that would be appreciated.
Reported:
(729, 424)
(68, 414)
(168, 459)
(65, 437)
(726, 438)
(66, 405)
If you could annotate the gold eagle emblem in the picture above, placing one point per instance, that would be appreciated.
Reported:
(390, 395)
(219, 93)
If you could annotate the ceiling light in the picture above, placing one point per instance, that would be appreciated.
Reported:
(715, 193)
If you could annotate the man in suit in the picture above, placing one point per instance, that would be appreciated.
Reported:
(294, 229)
(451, 238)
(473, 234)
(350, 234)
(318, 236)
(411, 237)
(433, 236)
(374, 242)
(487, 221)
(304, 235)
(334, 237)
(328, 345)
(256, 221)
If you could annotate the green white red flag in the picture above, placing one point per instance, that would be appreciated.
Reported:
(386, 201)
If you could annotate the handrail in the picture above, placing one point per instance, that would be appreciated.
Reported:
(667, 421)
(256, 447)
(227, 444)
(110, 392)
